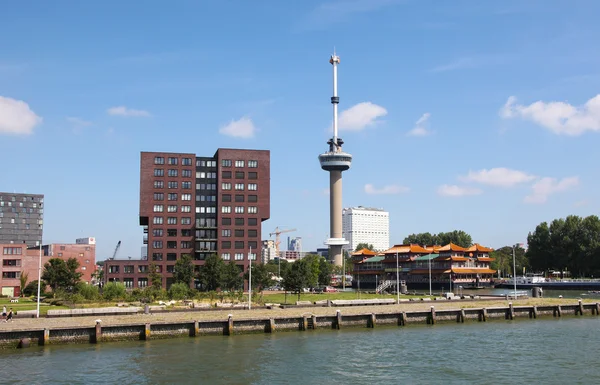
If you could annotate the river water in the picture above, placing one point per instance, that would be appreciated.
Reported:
(547, 350)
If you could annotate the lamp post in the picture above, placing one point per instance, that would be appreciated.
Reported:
(514, 271)
(39, 281)
(397, 281)
(250, 279)
(343, 272)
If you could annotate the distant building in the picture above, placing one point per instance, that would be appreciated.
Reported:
(366, 225)
(295, 243)
(21, 218)
(268, 252)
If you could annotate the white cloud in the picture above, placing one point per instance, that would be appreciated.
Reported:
(124, 111)
(242, 128)
(16, 117)
(390, 189)
(360, 116)
(558, 117)
(545, 187)
(500, 176)
(420, 128)
(457, 191)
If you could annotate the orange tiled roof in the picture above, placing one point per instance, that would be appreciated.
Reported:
(482, 249)
(453, 258)
(486, 259)
(451, 247)
(365, 252)
(405, 249)
(465, 270)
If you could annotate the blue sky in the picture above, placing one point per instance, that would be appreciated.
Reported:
(473, 115)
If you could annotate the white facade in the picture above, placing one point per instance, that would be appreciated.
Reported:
(366, 225)
(268, 251)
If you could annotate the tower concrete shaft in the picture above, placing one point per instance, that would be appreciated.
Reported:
(335, 161)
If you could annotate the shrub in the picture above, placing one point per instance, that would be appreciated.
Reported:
(136, 294)
(89, 292)
(179, 291)
(31, 288)
(113, 290)
(77, 298)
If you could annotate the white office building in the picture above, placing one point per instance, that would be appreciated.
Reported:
(366, 225)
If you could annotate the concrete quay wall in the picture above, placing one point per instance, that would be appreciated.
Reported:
(230, 326)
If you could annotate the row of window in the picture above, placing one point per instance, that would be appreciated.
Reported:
(12, 251)
(239, 163)
(24, 210)
(9, 204)
(172, 184)
(239, 233)
(238, 256)
(172, 161)
(239, 221)
(239, 175)
(172, 244)
(239, 198)
(172, 208)
(239, 209)
(206, 186)
(206, 210)
(171, 220)
(206, 175)
(171, 232)
(206, 163)
(239, 186)
(238, 244)
(172, 197)
(24, 199)
(11, 274)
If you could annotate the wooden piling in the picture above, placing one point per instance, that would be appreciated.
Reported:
(483, 315)
(45, 340)
(510, 312)
(557, 311)
(402, 319)
(431, 316)
(304, 323)
(579, 308)
(147, 332)
(195, 330)
(533, 313)
(229, 328)
(314, 321)
(460, 316)
(338, 320)
(97, 337)
(597, 307)
(270, 325)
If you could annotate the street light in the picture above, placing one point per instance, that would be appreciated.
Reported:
(39, 281)
(514, 271)
(250, 279)
(397, 281)
(430, 275)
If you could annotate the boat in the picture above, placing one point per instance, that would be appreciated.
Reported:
(538, 280)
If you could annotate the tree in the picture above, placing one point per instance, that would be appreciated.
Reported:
(312, 269)
(230, 277)
(179, 290)
(503, 260)
(458, 237)
(113, 290)
(295, 278)
(60, 274)
(325, 272)
(23, 281)
(422, 239)
(31, 288)
(209, 274)
(183, 271)
(261, 276)
(364, 245)
(154, 277)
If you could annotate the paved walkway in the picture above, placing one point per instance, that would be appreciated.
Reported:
(215, 315)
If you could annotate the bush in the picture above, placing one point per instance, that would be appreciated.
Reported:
(88, 292)
(77, 298)
(179, 291)
(136, 294)
(31, 288)
(113, 290)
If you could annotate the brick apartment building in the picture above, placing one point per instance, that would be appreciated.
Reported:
(198, 206)
(21, 218)
(17, 259)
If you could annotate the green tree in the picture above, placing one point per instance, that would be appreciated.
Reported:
(261, 276)
(312, 269)
(458, 237)
(113, 290)
(154, 277)
(183, 271)
(423, 239)
(31, 288)
(364, 245)
(296, 277)
(231, 278)
(23, 281)
(179, 291)
(325, 272)
(209, 274)
(60, 274)
(89, 292)
(503, 260)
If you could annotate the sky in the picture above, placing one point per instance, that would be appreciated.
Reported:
(482, 116)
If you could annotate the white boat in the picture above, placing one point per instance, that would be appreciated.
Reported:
(528, 279)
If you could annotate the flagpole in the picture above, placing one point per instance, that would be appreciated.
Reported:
(39, 281)
(250, 279)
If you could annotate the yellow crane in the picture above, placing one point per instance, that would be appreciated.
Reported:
(277, 233)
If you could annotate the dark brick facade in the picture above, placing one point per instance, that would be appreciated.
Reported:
(210, 205)
(21, 218)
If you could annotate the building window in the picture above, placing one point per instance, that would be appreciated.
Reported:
(159, 196)
(157, 244)
(186, 161)
(252, 209)
(200, 175)
(172, 161)
(226, 221)
(113, 269)
(159, 172)
(186, 233)
(159, 160)
(171, 244)
(239, 233)
(253, 163)
(159, 184)
(253, 245)
(252, 186)
(186, 221)
(171, 232)
(156, 257)
(226, 233)
(226, 174)
(226, 186)
(186, 209)
(172, 172)
(239, 244)
(186, 185)
(171, 256)
(226, 163)
(186, 244)
(12, 251)
(171, 220)
(158, 208)
(252, 175)
(186, 173)
(252, 256)
(60, 254)
(252, 198)
(157, 232)
(239, 256)
(172, 208)
(157, 220)
(239, 209)
(239, 198)
(239, 175)
(252, 233)
(186, 197)
(226, 198)
(142, 268)
(239, 163)
(226, 245)
(239, 221)
(172, 196)
(172, 184)
(226, 209)
(252, 221)
(128, 269)
(226, 256)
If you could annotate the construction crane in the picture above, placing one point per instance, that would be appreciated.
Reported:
(277, 233)
(116, 250)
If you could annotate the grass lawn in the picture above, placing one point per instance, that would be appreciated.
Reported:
(292, 298)
(28, 304)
